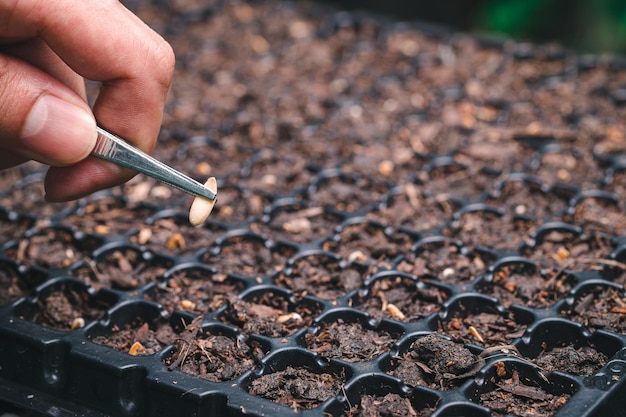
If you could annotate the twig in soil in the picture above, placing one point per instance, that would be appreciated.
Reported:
(187, 337)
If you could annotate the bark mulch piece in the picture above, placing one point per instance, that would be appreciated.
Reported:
(437, 363)
(297, 387)
(209, 356)
(348, 341)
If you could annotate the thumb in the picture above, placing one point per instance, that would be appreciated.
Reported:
(41, 118)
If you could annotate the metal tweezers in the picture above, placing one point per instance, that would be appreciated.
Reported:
(115, 149)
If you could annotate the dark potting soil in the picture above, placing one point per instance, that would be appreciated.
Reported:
(372, 167)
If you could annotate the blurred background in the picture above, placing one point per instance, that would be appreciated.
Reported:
(593, 26)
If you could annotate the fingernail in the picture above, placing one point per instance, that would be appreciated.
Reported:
(58, 133)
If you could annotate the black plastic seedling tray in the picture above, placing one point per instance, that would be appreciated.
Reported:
(460, 238)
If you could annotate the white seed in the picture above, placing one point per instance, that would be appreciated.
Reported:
(395, 311)
(78, 323)
(283, 318)
(202, 207)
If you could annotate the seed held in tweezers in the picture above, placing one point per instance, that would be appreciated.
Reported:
(201, 207)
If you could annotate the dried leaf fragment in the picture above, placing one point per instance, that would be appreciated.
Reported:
(201, 207)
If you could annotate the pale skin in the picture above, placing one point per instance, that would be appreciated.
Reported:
(48, 48)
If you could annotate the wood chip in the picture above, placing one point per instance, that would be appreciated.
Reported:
(201, 207)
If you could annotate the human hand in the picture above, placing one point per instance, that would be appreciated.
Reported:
(47, 49)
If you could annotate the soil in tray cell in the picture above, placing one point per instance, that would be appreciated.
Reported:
(108, 215)
(322, 276)
(599, 215)
(582, 361)
(297, 387)
(276, 175)
(50, 248)
(408, 208)
(298, 223)
(568, 166)
(12, 285)
(68, 308)
(484, 328)
(211, 356)
(173, 237)
(122, 269)
(389, 405)
(401, 298)
(195, 290)
(490, 229)
(346, 193)
(11, 229)
(237, 205)
(564, 250)
(522, 197)
(247, 256)
(437, 363)
(456, 181)
(139, 338)
(445, 262)
(348, 341)
(368, 243)
(527, 286)
(518, 396)
(599, 308)
(269, 315)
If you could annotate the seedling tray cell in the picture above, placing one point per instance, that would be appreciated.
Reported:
(409, 221)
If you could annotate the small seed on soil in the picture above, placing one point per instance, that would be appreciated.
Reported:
(135, 349)
(144, 236)
(176, 241)
(78, 323)
(201, 207)
(188, 305)
(395, 311)
(290, 316)
(472, 330)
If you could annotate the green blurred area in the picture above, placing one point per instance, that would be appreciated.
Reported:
(595, 26)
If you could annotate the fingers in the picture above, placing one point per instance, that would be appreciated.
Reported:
(99, 40)
(41, 118)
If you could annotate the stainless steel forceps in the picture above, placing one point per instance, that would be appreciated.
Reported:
(115, 149)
